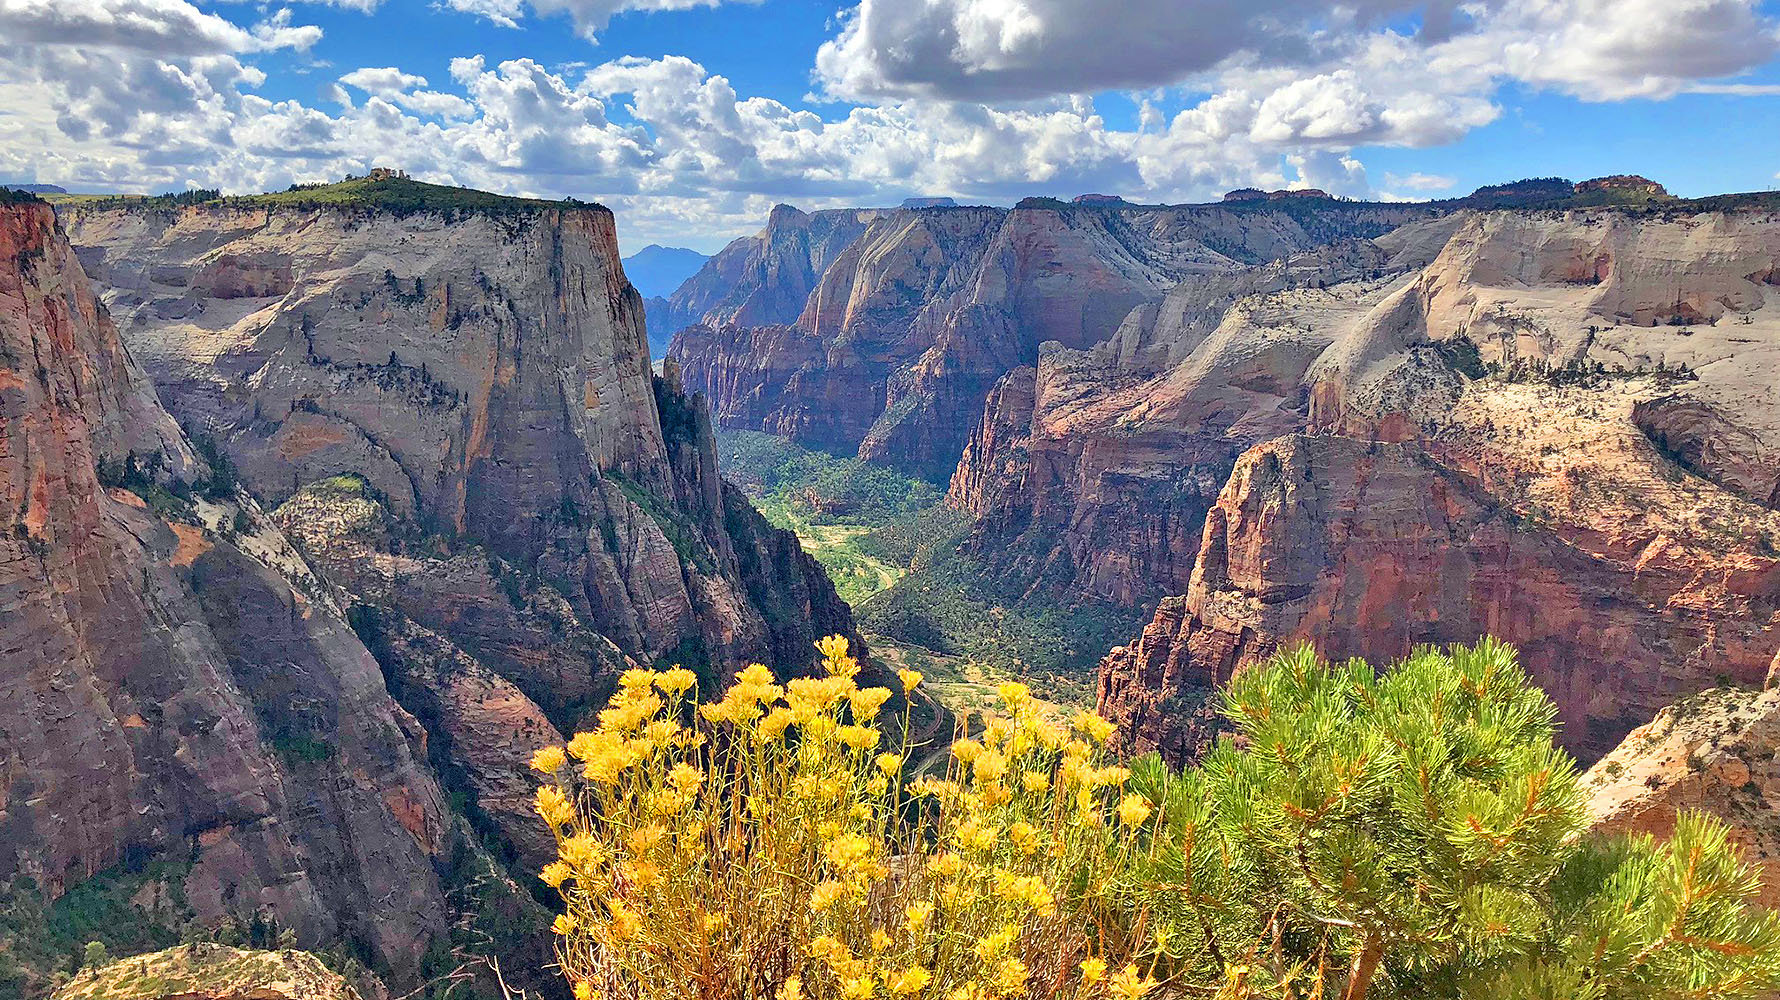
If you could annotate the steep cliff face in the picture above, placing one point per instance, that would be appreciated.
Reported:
(1094, 470)
(910, 325)
(165, 688)
(1491, 456)
(485, 372)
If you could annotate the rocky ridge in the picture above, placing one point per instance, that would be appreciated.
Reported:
(1714, 753)
(211, 972)
(1557, 430)
(894, 345)
(175, 682)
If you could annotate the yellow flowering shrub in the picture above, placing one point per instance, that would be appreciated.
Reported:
(777, 843)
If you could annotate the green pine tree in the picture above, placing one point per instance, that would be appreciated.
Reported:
(1417, 833)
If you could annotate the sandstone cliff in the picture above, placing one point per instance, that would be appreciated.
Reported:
(166, 689)
(905, 330)
(485, 372)
(1559, 431)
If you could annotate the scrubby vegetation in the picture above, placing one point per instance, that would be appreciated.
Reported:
(838, 507)
(952, 605)
(395, 195)
(1407, 834)
(891, 546)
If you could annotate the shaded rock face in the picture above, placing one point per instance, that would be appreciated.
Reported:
(487, 375)
(1712, 753)
(1618, 527)
(165, 688)
(909, 326)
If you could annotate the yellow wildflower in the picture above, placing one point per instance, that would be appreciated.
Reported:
(832, 647)
(584, 746)
(829, 949)
(989, 766)
(1035, 781)
(867, 701)
(583, 990)
(644, 838)
(581, 853)
(1097, 728)
(919, 914)
(686, 778)
(909, 981)
(966, 750)
(563, 925)
(679, 680)
(860, 737)
(625, 924)
(548, 760)
(555, 874)
(890, 764)
(909, 678)
(792, 989)
(857, 988)
(1013, 694)
(879, 940)
(553, 805)
(1128, 984)
(847, 851)
(1010, 976)
(993, 946)
(1133, 810)
(774, 725)
(826, 894)
(1092, 970)
(756, 676)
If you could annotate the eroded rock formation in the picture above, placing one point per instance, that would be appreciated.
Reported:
(1712, 753)
(907, 327)
(173, 680)
(1558, 429)
(485, 372)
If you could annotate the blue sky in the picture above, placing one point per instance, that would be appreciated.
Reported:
(692, 117)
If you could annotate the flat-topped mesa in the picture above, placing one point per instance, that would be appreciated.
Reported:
(1558, 428)
(480, 362)
(176, 681)
(906, 328)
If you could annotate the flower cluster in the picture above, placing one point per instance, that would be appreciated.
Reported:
(773, 844)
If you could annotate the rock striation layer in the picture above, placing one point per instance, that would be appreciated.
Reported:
(485, 373)
(173, 680)
(904, 328)
(1554, 427)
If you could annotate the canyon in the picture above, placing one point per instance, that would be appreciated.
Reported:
(1545, 412)
(332, 506)
(329, 511)
(880, 332)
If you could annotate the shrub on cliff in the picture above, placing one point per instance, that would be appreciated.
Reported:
(1411, 834)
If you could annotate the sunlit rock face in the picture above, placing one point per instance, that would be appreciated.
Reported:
(1557, 428)
(903, 330)
(174, 679)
